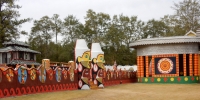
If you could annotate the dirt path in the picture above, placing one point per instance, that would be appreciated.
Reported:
(133, 91)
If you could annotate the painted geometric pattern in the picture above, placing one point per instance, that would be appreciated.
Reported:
(180, 79)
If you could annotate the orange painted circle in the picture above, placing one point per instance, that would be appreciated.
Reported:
(165, 65)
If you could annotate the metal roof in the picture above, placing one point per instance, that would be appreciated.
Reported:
(165, 40)
(14, 42)
(14, 62)
(17, 48)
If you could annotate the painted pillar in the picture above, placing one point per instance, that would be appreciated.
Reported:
(195, 64)
(177, 65)
(138, 66)
(142, 66)
(198, 65)
(147, 66)
(190, 65)
(153, 67)
(184, 64)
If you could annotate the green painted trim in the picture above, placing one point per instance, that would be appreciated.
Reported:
(179, 79)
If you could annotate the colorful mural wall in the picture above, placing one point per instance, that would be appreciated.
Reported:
(82, 73)
(23, 80)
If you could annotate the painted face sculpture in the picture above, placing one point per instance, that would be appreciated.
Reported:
(84, 69)
(84, 61)
(99, 61)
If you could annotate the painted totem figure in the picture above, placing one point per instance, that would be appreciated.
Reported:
(71, 70)
(97, 65)
(82, 58)
(84, 72)
(98, 70)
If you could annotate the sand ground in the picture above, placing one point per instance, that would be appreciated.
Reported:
(131, 91)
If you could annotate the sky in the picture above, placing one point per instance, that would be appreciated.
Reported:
(143, 9)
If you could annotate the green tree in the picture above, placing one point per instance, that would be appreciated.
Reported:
(72, 29)
(91, 26)
(96, 26)
(42, 29)
(155, 28)
(187, 15)
(56, 25)
(174, 28)
(37, 43)
(9, 22)
(131, 28)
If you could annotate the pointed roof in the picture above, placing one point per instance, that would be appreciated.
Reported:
(17, 46)
(190, 33)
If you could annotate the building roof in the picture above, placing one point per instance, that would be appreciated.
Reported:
(166, 40)
(14, 62)
(17, 48)
(14, 42)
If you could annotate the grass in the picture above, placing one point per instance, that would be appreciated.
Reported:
(132, 91)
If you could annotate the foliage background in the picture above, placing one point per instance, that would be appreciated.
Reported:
(114, 33)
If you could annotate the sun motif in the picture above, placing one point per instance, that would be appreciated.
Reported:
(158, 79)
(146, 79)
(165, 65)
(186, 79)
(172, 79)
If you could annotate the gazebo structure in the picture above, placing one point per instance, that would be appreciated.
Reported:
(16, 52)
(168, 59)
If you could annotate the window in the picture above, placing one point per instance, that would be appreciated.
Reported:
(26, 56)
(31, 56)
(21, 55)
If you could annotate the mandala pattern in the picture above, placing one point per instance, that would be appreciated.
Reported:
(165, 65)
